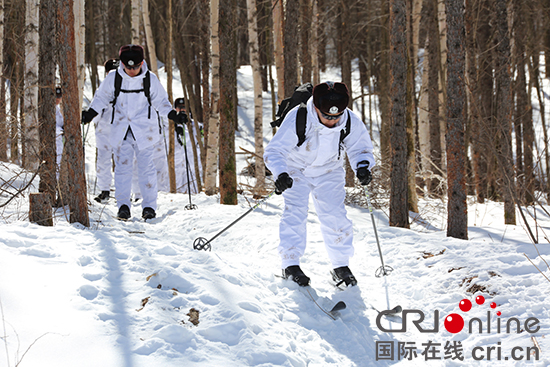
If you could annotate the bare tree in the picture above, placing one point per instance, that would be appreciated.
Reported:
(292, 10)
(399, 213)
(228, 102)
(31, 140)
(457, 210)
(278, 25)
(258, 101)
(3, 117)
(214, 121)
(504, 111)
(46, 98)
(71, 112)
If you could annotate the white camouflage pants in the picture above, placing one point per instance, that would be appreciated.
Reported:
(104, 165)
(328, 196)
(147, 174)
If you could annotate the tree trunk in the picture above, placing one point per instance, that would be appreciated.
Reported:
(435, 183)
(291, 12)
(399, 214)
(168, 66)
(504, 112)
(259, 188)
(149, 36)
(228, 102)
(305, 36)
(31, 139)
(3, 116)
(46, 99)
(214, 122)
(40, 209)
(80, 47)
(136, 11)
(412, 198)
(314, 43)
(457, 210)
(278, 26)
(71, 112)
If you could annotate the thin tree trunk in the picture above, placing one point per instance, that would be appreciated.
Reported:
(46, 99)
(291, 46)
(399, 214)
(259, 188)
(71, 112)
(149, 36)
(214, 122)
(31, 139)
(314, 44)
(504, 112)
(3, 117)
(457, 210)
(168, 67)
(278, 26)
(135, 11)
(228, 102)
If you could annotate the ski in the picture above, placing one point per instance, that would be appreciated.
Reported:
(393, 312)
(332, 313)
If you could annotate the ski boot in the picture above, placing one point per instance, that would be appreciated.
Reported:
(148, 213)
(103, 196)
(124, 212)
(296, 274)
(343, 275)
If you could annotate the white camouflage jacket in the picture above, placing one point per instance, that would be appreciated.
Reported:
(319, 154)
(132, 109)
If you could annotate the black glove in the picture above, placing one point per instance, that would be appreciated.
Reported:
(363, 173)
(283, 182)
(173, 115)
(183, 119)
(179, 133)
(88, 116)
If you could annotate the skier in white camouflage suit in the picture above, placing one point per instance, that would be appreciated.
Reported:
(135, 126)
(316, 167)
(102, 124)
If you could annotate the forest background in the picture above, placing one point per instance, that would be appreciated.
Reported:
(451, 83)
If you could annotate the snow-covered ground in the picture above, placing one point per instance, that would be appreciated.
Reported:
(123, 293)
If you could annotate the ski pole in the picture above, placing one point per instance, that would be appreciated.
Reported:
(202, 243)
(189, 206)
(384, 269)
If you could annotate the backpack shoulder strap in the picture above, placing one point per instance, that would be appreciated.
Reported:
(344, 133)
(118, 86)
(301, 119)
(147, 89)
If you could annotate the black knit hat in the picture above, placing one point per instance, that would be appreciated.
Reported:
(58, 92)
(131, 55)
(331, 98)
(179, 102)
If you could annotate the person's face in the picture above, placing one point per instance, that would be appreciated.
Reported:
(325, 121)
(132, 70)
(180, 109)
(57, 100)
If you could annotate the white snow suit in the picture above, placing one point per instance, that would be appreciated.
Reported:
(317, 168)
(134, 131)
(104, 166)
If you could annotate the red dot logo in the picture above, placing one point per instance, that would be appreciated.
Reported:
(454, 323)
(480, 300)
(465, 305)
(493, 305)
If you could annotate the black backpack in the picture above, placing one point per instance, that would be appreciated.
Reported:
(300, 96)
(146, 89)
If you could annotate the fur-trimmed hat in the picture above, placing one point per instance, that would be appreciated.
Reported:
(331, 98)
(131, 55)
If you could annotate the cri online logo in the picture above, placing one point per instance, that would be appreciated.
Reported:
(454, 323)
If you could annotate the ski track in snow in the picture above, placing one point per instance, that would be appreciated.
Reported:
(119, 293)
